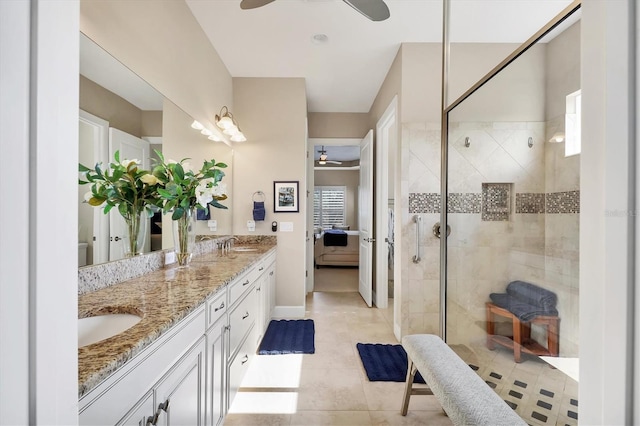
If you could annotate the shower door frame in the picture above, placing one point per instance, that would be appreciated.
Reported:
(552, 24)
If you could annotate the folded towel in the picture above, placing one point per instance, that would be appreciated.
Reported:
(532, 295)
(203, 214)
(524, 311)
(335, 237)
(258, 210)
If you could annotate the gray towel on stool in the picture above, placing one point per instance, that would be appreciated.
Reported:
(526, 301)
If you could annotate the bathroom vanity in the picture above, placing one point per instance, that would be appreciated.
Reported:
(184, 361)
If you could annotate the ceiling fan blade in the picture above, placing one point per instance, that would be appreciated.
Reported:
(376, 10)
(252, 4)
(334, 162)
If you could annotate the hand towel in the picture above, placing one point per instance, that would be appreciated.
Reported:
(258, 210)
(203, 214)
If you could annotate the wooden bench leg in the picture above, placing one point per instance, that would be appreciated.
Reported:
(490, 329)
(411, 374)
(553, 337)
(517, 339)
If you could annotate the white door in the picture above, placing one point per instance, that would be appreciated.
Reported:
(365, 218)
(130, 147)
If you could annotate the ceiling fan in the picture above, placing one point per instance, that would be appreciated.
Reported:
(376, 10)
(323, 158)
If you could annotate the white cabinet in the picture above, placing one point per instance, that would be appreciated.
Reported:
(190, 375)
(120, 398)
(138, 414)
(216, 363)
(180, 393)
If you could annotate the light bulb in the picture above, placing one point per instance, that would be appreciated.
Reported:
(238, 137)
(206, 132)
(197, 125)
(225, 122)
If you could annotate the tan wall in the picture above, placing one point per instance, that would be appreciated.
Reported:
(563, 70)
(348, 178)
(391, 86)
(273, 152)
(100, 102)
(151, 123)
(338, 125)
(180, 141)
(162, 42)
(515, 94)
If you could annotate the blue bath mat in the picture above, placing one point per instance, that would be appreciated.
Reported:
(385, 363)
(288, 337)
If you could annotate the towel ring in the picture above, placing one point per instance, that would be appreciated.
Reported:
(259, 193)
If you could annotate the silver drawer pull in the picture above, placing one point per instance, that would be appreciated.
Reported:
(245, 283)
(164, 406)
(261, 269)
(245, 359)
(258, 289)
(219, 307)
(271, 273)
(245, 316)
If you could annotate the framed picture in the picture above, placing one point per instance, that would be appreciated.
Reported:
(285, 197)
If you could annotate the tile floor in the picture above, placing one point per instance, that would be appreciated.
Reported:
(330, 387)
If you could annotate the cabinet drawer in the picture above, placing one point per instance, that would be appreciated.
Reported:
(240, 364)
(239, 287)
(216, 307)
(240, 320)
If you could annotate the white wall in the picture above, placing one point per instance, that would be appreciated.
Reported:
(38, 277)
(607, 216)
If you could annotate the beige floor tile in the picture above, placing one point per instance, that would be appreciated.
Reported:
(331, 389)
(345, 418)
(233, 419)
(387, 396)
(413, 418)
(330, 354)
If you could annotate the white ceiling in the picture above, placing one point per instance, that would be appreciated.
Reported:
(345, 74)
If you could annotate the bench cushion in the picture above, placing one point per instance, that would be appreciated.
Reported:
(464, 396)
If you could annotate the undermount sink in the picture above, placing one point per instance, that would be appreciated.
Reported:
(97, 328)
(244, 249)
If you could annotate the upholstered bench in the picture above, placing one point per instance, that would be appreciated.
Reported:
(464, 396)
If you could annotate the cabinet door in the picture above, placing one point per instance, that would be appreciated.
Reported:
(139, 414)
(216, 387)
(180, 392)
(271, 273)
(262, 296)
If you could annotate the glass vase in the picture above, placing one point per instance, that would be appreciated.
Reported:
(134, 239)
(184, 237)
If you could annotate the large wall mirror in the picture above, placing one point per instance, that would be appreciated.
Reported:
(513, 177)
(118, 110)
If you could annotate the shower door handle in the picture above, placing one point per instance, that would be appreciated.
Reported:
(436, 230)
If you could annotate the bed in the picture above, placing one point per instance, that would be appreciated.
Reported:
(330, 251)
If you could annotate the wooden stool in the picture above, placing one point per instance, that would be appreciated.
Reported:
(521, 340)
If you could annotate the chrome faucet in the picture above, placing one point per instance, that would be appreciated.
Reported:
(228, 243)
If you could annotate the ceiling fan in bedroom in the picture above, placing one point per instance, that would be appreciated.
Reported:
(323, 158)
(376, 10)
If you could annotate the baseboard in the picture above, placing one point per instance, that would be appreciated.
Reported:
(288, 312)
(396, 332)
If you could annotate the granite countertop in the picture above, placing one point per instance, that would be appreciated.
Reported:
(161, 298)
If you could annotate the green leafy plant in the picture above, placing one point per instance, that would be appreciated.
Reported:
(183, 189)
(123, 185)
(126, 186)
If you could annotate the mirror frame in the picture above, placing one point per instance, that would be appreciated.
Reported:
(446, 110)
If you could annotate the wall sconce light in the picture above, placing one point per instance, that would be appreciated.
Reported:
(214, 138)
(557, 137)
(229, 126)
(530, 142)
(197, 125)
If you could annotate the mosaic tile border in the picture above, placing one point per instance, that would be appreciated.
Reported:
(530, 202)
(471, 203)
(563, 202)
